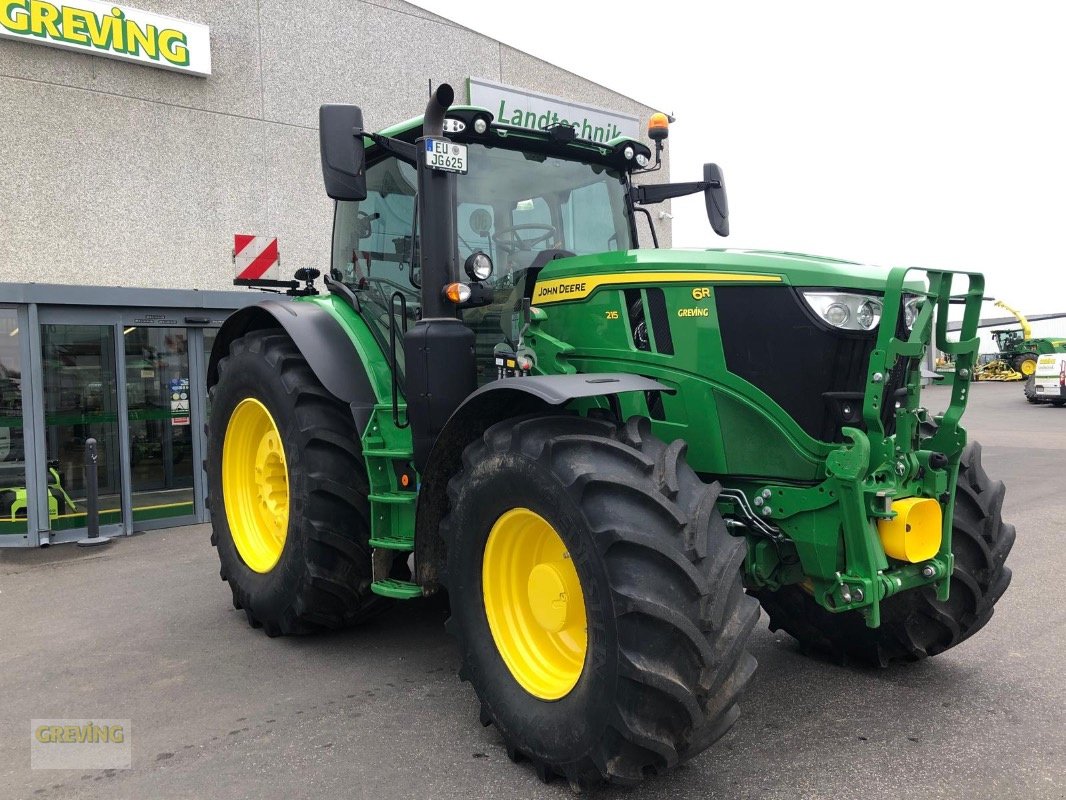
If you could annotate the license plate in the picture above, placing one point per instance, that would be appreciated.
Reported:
(446, 156)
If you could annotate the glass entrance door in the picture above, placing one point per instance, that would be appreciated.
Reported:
(80, 389)
(160, 412)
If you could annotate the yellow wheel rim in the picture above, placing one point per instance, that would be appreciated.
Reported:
(1028, 367)
(255, 485)
(534, 604)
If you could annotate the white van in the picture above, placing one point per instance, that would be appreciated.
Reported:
(1049, 380)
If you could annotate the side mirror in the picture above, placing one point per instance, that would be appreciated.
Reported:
(340, 136)
(715, 199)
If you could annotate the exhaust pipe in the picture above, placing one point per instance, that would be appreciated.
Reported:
(439, 103)
(439, 349)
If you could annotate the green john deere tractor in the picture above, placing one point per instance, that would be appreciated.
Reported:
(608, 456)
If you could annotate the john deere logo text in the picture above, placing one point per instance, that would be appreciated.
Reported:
(558, 289)
(109, 30)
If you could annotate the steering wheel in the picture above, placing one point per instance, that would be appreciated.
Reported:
(516, 243)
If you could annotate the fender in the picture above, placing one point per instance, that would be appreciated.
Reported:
(492, 403)
(319, 338)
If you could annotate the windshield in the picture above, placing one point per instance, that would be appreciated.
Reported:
(511, 205)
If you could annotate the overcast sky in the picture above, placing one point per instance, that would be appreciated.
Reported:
(902, 133)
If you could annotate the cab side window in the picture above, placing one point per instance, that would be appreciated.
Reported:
(373, 239)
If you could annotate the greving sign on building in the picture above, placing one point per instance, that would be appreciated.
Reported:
(110, 30)
(513, 106)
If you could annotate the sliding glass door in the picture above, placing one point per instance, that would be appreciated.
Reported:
(81, 401)
(160, 412)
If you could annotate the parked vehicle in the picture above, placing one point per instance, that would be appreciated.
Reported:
(607, 455)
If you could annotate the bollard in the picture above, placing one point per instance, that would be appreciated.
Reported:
(92, 500)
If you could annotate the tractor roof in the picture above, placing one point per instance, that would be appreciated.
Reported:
(502, 135)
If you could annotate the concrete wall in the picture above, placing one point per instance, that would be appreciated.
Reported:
(117, 174)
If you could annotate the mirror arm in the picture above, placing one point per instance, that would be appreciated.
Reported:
(658, 192)
(405, 151)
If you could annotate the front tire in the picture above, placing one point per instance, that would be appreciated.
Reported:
(288, 492)
(648, 655)
(915, 625)
(1026, 365)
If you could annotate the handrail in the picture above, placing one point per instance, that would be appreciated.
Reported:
(392, 354)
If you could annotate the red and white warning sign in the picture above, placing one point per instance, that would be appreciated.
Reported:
(256, 257)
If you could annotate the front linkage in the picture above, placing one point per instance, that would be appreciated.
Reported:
(832, 538)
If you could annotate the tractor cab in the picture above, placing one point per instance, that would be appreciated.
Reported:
(523, 198)
(524, 195)
(1007, 340)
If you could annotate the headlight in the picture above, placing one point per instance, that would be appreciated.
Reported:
(910, 310)
(642, 160)
(629, 152)
(478, 266)
(850, 312)
(869, 314)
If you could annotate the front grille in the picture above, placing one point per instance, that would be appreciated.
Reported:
(816, 373)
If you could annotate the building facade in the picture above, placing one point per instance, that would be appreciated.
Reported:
(124, 185)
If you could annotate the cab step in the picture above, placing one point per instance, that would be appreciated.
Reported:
(398, 590)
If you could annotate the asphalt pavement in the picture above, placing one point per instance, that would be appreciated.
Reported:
(144, 630)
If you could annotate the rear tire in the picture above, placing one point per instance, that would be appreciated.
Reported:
(666, 617)
(322, 577)
(915, 625)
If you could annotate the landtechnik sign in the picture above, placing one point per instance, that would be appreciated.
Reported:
(514, 106)
(106, 29)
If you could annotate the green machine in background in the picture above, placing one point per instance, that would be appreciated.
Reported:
(608, 456)
(1019, 349)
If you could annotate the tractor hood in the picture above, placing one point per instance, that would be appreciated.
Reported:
(762, 265)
